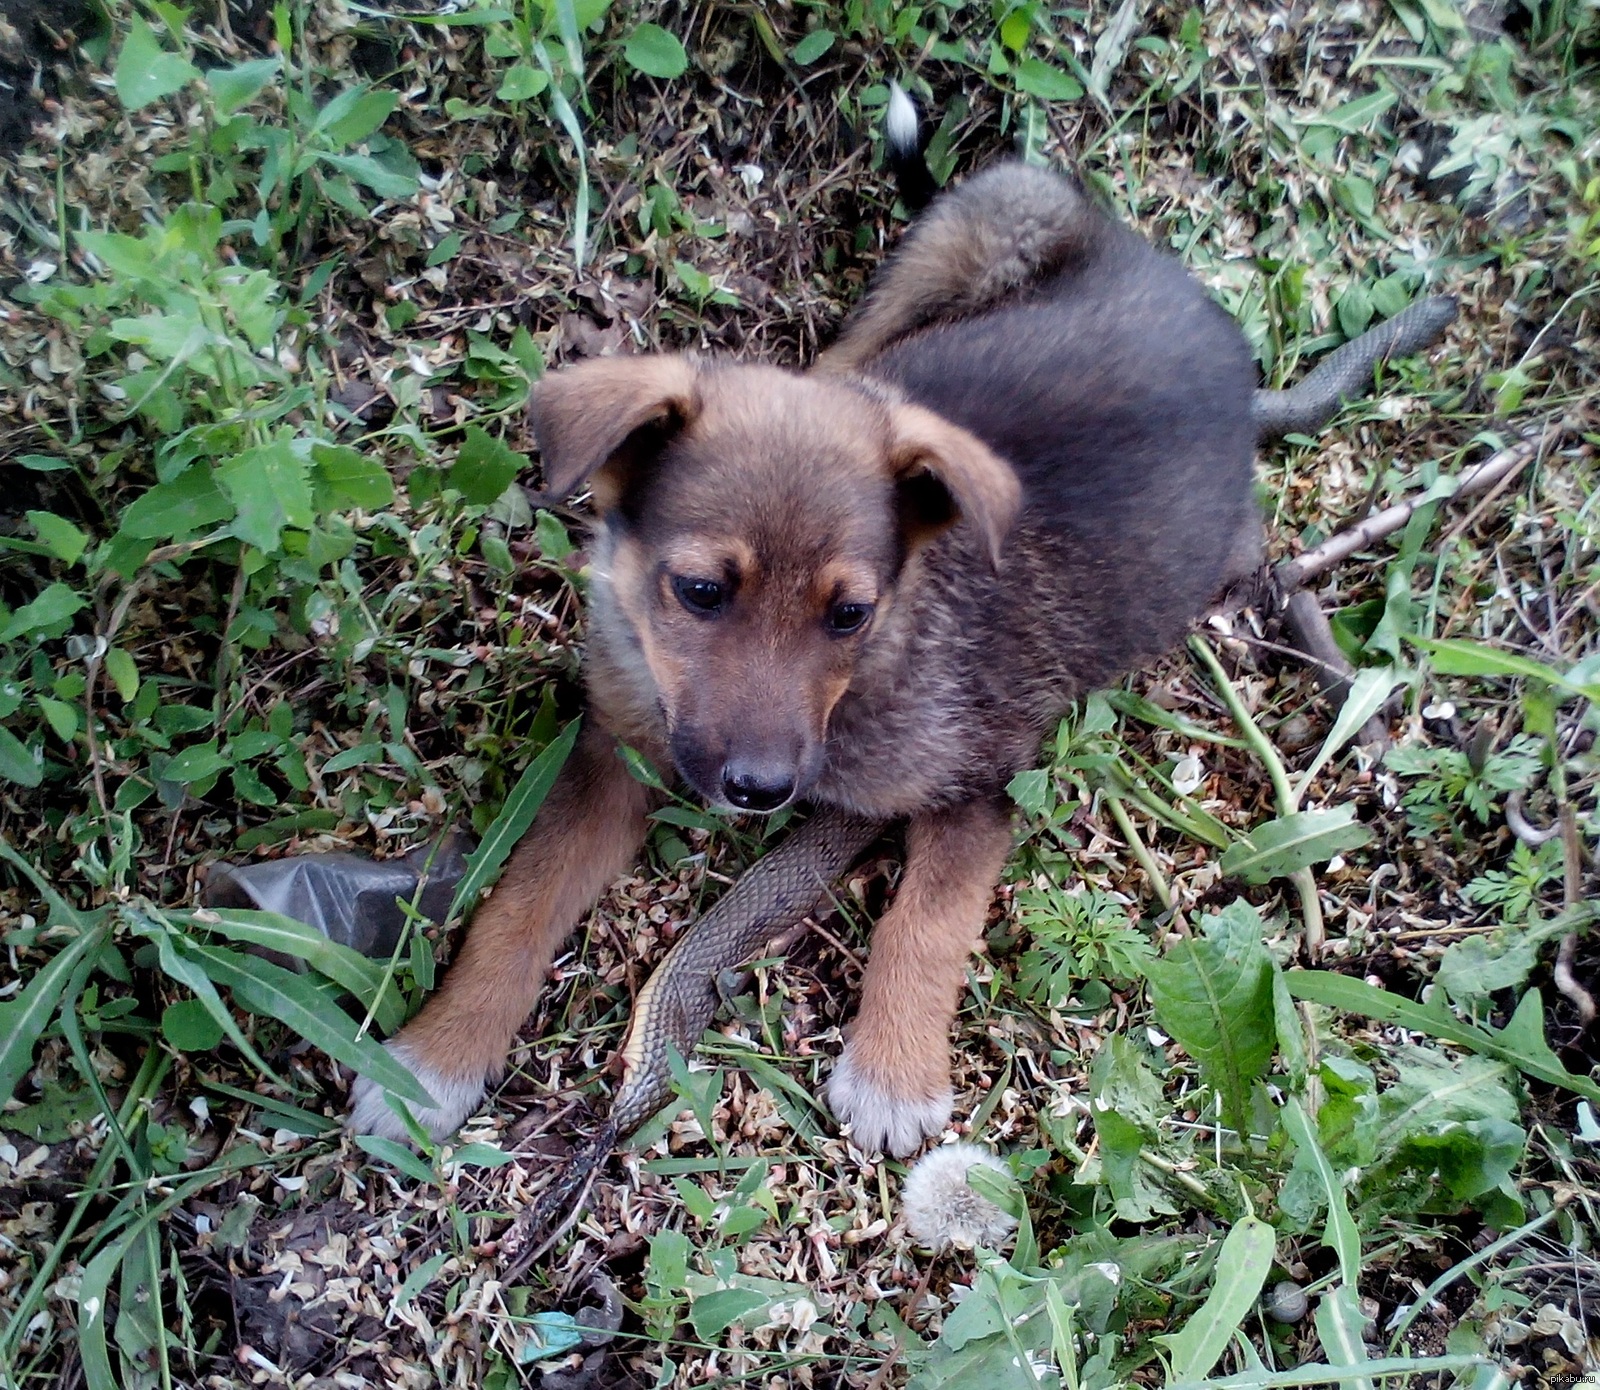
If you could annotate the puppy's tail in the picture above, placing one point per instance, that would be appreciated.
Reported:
(907, 150)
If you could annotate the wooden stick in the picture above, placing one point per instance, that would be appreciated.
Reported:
(1296, 573)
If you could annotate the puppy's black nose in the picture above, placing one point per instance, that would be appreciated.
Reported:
(751, 787)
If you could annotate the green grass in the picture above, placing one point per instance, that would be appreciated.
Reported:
(274, 297)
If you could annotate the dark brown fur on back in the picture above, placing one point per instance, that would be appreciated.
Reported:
(1023, 470)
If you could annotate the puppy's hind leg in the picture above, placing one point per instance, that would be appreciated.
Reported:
(892, 1085)
(586, 834)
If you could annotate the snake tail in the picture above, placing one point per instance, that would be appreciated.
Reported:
(679, 1000)
(561, 1203)
(1346, 373)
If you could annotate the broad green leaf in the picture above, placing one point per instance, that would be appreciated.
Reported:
(522, 81)
(1214, 995)
(812, 47)
(145, 71)
(124, 672)
(131, 258)
(297, 1003)
(362, 755)
(549, 1335)
(1521, 1043)
(233, 87)
(24, 1019)
(1284, 846)
(1354, 309)
(271, 489)
(189, 502)
(189, 1026)
(174, 335)
(1242, 1269)
(1290, 1033)
(1339, 1321)
(396, 1156)
(355, 114)
(1138, 1195)
(1477, 966)
(1037, 78)
(49, 613)
(514, 819)
(713, 1313)
(481, 1156)
(367, 980)
(64, 540)
(352, 479)
(1357, 115)
(484, 468)
(552, 538)
(61, 717)
(656, 52)
(176, 956)
(364, 169)
(1368, 691)
(446, 250)
(251, 299)
(18, 763)
(422, 1276)
(1319, 1373)
(1455, 657)
(94, 1303)
(195, 764)
(1341, 1235)
(1031, 790)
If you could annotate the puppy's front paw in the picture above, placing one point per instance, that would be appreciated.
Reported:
(882, 1116)
(457, 1097)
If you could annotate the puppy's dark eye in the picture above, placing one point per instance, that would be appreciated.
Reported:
(845, 618)
(702, 597)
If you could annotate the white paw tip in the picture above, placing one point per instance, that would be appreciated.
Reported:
(942, 1210)
(370, 1112)
(880, 1120)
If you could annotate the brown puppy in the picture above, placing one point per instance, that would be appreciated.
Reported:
(1019, 474)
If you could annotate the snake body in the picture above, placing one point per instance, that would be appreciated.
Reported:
(679, 999)
(1346, 373)
(788, 885)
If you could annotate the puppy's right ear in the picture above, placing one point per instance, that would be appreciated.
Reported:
(597, 419)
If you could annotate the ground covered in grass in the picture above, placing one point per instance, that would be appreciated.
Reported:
(274, 283)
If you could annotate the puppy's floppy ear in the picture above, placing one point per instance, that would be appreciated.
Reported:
(585, 416)
(943, 471)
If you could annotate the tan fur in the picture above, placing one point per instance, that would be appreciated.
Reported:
(586, 835)
(1025, 461)
(584, 415)
(899, 1044)
(986, 488)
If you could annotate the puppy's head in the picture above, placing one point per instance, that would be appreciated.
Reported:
(760, 522)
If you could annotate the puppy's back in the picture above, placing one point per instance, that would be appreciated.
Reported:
(1118, 391)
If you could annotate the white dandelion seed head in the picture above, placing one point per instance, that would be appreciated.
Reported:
(942, 1211)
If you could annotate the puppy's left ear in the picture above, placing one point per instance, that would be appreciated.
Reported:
(943, 472)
